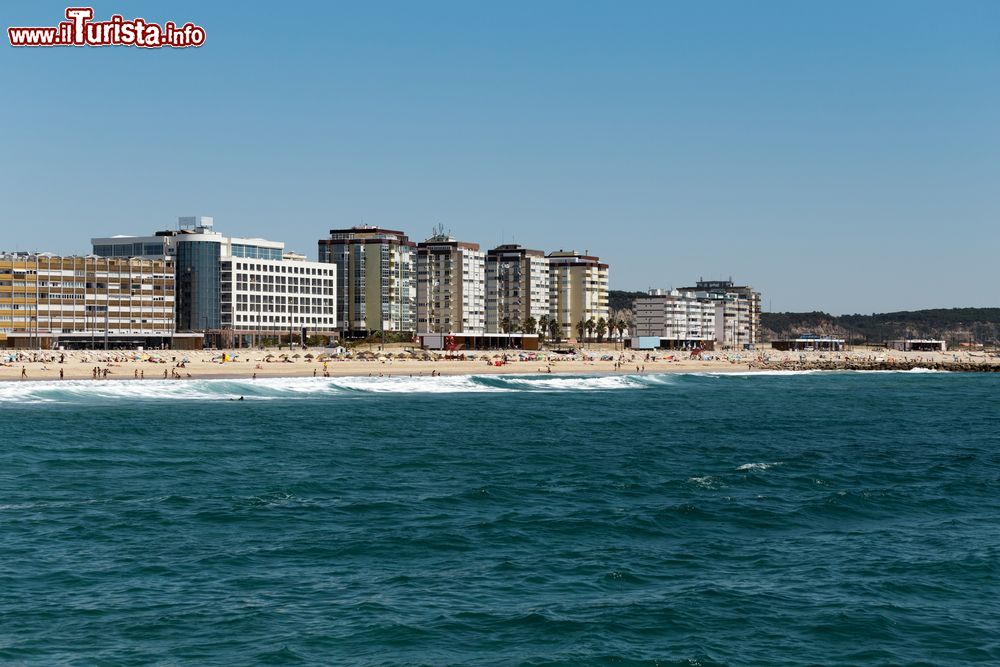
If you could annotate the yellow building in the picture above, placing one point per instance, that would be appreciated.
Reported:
(578, 290)
(47, 301)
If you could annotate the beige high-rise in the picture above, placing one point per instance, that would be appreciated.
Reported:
(375, 276)
(578, 290)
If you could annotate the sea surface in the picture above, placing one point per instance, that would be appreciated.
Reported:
(766, 519)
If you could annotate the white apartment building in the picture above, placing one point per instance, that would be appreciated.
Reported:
(715, 312)
(737, 319)
(451, 286)
(679, 319)
(517, 288)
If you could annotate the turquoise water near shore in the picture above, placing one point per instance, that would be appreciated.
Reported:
(765, 519)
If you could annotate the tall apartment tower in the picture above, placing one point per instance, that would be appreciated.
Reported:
(517, 288)
(578, 289)
(375, 271)
(451, 286)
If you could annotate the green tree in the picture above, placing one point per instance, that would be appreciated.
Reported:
(602, 328)
(543, 327)
(555, 331)
(505, 325)
(591, 325)
(529, 325)
(581, 326)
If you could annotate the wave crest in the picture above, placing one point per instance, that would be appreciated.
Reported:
(72, 391)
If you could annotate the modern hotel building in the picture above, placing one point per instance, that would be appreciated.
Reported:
(237, 291)
(578, 289)
(376, 274)
(451, 286)
(517, 288)
(48, 301)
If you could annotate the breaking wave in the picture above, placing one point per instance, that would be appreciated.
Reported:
(291, 388)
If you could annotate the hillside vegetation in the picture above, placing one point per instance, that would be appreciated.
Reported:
(955, 325)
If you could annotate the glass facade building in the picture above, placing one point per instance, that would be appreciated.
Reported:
(199, 285)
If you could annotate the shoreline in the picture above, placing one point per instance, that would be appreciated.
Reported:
(513, 372)
(399, 362)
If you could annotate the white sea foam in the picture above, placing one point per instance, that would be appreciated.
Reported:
(719, 374)
(445, 384)
(74, 391)
(705, 482)
(757, 466)
(588, 383)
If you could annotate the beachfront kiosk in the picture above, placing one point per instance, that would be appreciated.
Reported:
(919, 345)
(809, 343)
(480, 341)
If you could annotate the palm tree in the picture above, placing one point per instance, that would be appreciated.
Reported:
(580, 327)
(529, 325)
(505, 325)
(591, 325)
(555, 331)
(602, 328)
(543, 327)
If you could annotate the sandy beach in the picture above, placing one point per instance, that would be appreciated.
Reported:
(405, 361)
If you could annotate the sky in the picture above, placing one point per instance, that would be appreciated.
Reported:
(838, 156)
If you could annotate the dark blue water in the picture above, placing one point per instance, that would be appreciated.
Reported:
(814, 519)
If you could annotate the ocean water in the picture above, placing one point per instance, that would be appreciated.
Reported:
(767, 519)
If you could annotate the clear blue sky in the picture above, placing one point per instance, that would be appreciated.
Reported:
(842, 156)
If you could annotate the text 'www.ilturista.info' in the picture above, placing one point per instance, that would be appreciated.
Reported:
(80, 30)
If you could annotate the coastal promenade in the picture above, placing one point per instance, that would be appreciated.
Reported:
(400, 361)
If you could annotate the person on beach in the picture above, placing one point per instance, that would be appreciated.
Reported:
(24, 373)
(60, 374)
